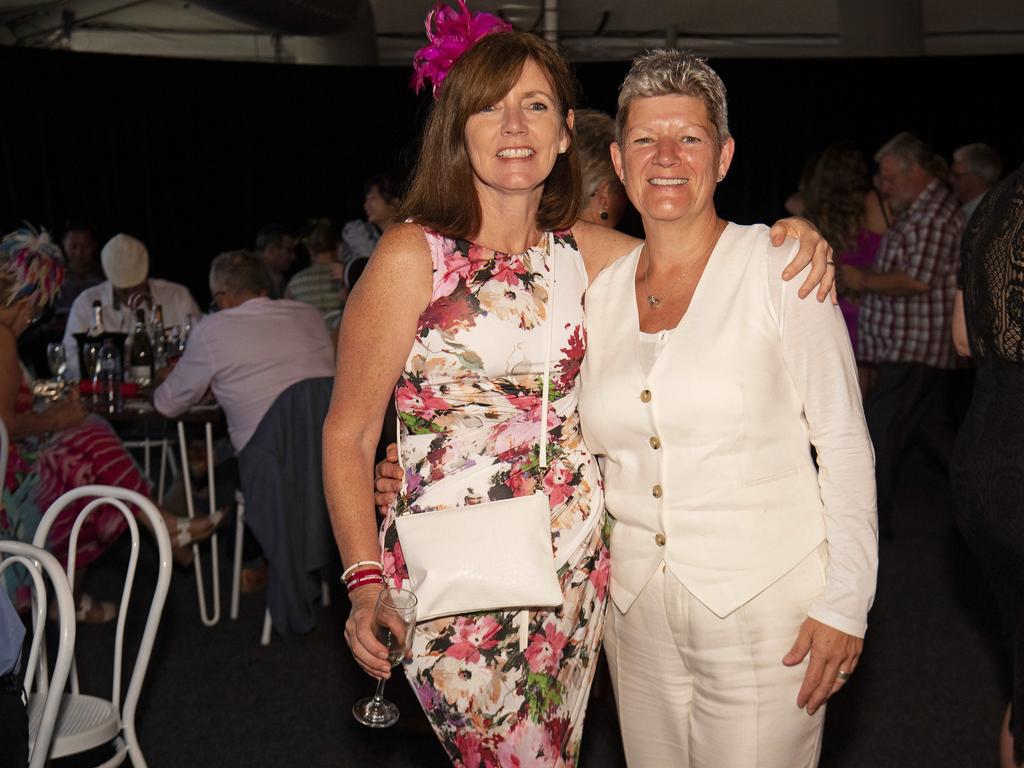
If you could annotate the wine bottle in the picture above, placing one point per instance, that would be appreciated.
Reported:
(106, 383)
(96, 329)
(159, 335)
(186, 331)
(140, 366)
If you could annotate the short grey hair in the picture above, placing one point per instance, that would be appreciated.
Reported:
(674, 73)
(908, 150)
(239, 272)
(981, 160)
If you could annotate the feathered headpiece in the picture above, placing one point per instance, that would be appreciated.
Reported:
(35, 262)
(451, 32)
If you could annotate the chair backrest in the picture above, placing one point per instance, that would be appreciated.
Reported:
(120, 498)
(37, 561)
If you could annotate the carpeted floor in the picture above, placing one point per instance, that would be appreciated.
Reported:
(927, 693)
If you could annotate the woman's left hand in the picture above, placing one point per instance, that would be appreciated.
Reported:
(813, 248)
(832, 652)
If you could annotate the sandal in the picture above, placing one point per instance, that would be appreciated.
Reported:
(182, 533)
(88, 611)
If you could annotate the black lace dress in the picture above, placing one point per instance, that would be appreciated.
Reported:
(988, 467)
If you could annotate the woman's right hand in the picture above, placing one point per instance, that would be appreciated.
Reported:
(387, 479)
(368, 652)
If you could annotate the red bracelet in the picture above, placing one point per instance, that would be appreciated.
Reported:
(363, 573)
(353, 585)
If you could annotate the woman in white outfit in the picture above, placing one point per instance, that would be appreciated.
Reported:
(742, 573)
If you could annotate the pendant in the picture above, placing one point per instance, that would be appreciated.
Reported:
(654, 301)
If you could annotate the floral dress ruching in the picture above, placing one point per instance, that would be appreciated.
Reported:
(469, 405)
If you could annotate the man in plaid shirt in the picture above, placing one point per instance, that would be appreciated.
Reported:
(906, 311)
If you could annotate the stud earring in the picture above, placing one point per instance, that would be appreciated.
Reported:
(604, 215)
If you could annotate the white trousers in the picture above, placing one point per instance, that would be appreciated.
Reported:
(697, 691)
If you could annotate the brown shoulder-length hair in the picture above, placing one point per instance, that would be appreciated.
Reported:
(442, 195)
(834, 194)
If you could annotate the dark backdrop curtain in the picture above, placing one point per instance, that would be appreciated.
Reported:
(192, 156)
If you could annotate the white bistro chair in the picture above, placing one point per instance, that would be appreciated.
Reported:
(86, 722)
(43, 705)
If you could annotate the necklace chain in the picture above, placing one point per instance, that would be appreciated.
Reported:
(653, 300)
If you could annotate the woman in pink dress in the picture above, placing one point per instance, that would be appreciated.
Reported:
(62, 447)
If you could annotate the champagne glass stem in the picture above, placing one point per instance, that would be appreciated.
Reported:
(378, 697)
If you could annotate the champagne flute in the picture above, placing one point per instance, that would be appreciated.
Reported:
(57, 359)
(394, 622)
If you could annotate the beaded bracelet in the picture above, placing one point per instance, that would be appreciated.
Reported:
(345, 574)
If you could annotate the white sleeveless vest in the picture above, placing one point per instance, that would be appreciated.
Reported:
(707, 462)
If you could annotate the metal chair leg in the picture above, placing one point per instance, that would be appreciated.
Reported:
(236, 578)
(267, 626)
(162, 482)
(208, 620)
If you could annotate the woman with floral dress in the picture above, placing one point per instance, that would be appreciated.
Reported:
(455, 306)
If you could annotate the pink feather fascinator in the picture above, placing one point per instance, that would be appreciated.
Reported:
(452, 32)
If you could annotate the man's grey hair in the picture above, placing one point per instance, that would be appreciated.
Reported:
(981, 160)
(670, 72)
(239, 272)
(908, 150)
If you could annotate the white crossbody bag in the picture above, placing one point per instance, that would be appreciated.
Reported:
(491, 556)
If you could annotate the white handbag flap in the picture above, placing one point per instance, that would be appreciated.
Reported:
(479, 557)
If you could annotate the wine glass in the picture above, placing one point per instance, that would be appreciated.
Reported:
(394, 622)
(57, 359)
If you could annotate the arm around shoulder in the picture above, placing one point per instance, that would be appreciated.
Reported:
(600, 246)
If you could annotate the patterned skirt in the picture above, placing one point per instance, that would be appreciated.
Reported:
(491, 703)
(88, 454)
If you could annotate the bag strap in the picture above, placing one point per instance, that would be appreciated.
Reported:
(545, 386)
(549, 307)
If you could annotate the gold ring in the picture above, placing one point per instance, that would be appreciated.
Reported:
(844, 675)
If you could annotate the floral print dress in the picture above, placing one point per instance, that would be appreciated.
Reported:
(469, 405)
